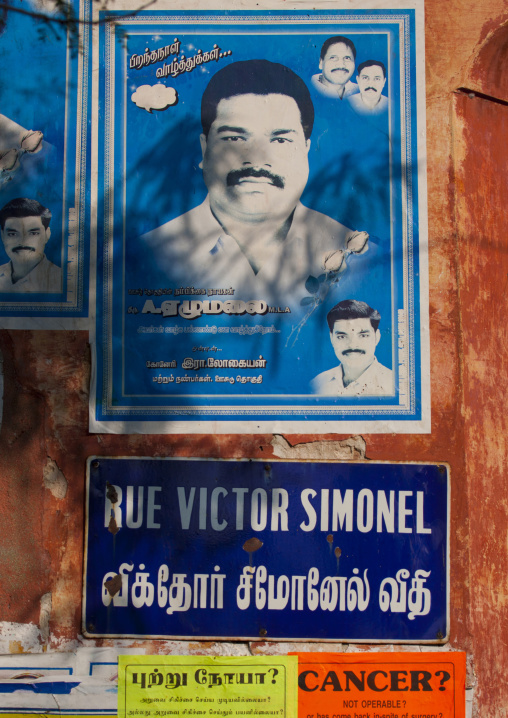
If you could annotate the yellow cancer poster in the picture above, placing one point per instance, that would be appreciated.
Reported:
(160, 686)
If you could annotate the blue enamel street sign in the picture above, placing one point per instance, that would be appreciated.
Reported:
(247, 549)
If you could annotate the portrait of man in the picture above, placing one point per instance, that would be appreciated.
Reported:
(371, 80)
(24, 227)
(252, 232)
(337, 65)
(354, 334)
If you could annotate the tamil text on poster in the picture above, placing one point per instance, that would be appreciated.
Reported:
(261, 218)
(155, 686)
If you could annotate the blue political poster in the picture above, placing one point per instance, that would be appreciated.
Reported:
(261, 206)
(44, 165)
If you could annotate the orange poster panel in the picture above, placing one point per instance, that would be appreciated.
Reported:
(382, 685)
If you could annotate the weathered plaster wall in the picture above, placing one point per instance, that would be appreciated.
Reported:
(44, 440)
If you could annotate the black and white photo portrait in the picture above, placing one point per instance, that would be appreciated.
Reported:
(337, 65)
(252, 232)
(24, 227)
(354, 334)
(371, 80)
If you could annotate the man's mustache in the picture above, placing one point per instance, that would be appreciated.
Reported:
(370, 88)
(352, 351)
(235, 176)
(22, 247)
(340, 69)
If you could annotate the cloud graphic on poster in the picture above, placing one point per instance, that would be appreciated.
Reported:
(154, 97)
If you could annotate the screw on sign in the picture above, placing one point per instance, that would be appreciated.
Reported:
(381, 685)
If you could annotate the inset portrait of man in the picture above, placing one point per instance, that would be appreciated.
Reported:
(371, 80)
(337, 65)
(252, 232)
(354, 334)
(24, 227)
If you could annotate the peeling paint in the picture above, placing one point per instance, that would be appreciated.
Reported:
(46, 602)
(54, 480)
(352, 449)
(111, 492)
(212, 648)
(19, 638)
(113, 585)
(15, 647)
(112, 496)
(113, 526)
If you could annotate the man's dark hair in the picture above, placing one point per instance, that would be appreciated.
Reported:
(371, 63)
(24, 207)
(352, 309)
(334, 41)
(256, 77)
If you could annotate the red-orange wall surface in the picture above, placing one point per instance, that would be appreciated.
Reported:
(44, 431)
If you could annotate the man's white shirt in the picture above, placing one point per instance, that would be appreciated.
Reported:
(44, 277)
(376, 380)
(361, 108)
(330, 90)
(195, 249)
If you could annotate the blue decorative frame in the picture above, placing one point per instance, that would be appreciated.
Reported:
(371, 182)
